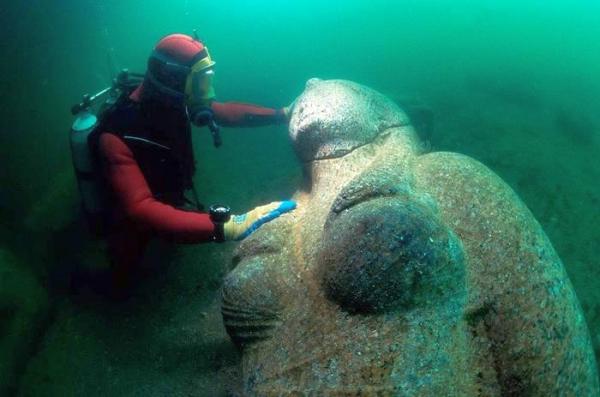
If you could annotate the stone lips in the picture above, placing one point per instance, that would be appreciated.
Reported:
(400, 273)
(249, 311)
(332, 119)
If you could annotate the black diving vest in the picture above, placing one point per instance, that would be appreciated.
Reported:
(160, 140)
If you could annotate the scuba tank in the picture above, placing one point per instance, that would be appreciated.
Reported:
(84, 163)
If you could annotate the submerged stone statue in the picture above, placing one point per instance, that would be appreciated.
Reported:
(401, 272)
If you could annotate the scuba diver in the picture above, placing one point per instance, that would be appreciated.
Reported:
(142, 146)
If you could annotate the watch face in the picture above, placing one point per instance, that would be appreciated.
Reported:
(219, 213)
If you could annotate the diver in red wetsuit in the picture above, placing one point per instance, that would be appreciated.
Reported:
(144, 149)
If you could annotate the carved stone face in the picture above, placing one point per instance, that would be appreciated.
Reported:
(399, 272)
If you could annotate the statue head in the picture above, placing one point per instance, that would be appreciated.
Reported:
(364, 262)
(399, 272)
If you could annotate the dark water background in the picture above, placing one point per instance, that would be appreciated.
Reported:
(516, 85)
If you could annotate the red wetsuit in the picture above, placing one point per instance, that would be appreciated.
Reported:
(137, 215)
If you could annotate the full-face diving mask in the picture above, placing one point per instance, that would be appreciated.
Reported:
(199, 92)
(199, 89)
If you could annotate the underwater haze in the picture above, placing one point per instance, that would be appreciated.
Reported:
(514, 84)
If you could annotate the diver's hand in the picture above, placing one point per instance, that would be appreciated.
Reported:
(287, 110)
(241, 226)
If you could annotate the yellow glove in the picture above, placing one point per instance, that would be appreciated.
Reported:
(238, 227)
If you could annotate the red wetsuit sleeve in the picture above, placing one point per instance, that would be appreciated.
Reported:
(137, 203)
(234, 114)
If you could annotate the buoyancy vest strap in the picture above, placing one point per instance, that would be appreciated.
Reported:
(144, 140)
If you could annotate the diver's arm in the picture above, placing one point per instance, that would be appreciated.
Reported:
(235, 114)
(135, 198)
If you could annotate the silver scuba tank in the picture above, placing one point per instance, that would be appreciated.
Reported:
(83, 163)
(89, 180)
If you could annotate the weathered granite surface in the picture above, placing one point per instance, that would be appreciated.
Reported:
(401, 272)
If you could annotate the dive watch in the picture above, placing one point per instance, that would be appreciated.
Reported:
(219, 214)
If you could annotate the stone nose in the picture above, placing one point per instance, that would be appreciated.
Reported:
(312, 82)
